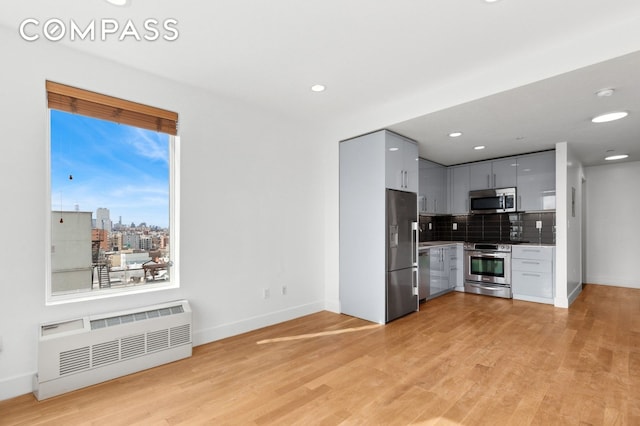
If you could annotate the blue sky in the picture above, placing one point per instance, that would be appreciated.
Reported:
(119, 167)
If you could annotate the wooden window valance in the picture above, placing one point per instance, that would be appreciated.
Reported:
(80, 101)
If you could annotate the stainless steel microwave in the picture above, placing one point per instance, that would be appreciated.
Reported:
(501, 200)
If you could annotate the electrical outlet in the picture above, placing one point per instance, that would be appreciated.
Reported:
(284, 290)
(429, 226)
(265, 293)
(455, 226)
(538, 224)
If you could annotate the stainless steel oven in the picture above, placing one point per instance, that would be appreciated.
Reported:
(487, 269)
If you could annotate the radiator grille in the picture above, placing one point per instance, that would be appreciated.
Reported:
(180, 335)
(88, 357)
(132, 346)
(138, 316)
(74, 360)
(157, 340)
(104, 353)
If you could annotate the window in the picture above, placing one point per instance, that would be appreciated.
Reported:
(113, 197)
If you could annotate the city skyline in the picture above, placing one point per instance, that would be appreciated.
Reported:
(101, 164)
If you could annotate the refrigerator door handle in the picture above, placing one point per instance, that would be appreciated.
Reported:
(414, 242)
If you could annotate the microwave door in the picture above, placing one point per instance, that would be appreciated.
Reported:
(485, 203)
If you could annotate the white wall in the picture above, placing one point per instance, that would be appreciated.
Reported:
(568, 262)
(251, 205)
(612, 231)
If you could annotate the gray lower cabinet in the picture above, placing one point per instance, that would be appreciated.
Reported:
(439, 269)
(532, 273)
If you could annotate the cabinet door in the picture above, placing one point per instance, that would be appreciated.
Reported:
(459, 190)
(423, 185)
(439, 189)
(401, 163)
(532, 285)
(504, 173)
(394, 162)
(439, 271)
(533, 252)
(480, 176)
(493, 174)
(433, 187)
(410, 165)
(537, 182)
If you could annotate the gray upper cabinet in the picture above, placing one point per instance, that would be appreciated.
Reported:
(432, 188)
(537, 181)
(458, 180)
(493, 174)
(401, 163)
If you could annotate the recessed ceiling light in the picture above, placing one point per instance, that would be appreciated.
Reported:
(455, 134)
(118, 2)
(318, 88)
(611, 116)
(605, 93)
(616, 157)
(393, 149)
(490, 1)
(479, 147)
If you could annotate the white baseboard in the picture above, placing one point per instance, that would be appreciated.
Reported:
(612, 282)
(575, 293)
(16, 386)
(332, 306)
(200, 337)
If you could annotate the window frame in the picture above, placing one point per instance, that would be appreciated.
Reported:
(174, 234)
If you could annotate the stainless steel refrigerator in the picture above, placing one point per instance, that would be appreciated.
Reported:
(401, 253)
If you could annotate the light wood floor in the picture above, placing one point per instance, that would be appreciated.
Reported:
(463, 360)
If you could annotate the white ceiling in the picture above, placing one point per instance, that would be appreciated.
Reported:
(383, 62)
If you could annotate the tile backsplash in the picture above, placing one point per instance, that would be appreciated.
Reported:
(491, 227)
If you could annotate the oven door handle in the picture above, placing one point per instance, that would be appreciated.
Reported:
(485, 287)
(487, 254)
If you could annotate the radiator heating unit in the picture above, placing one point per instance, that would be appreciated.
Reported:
(85, 351)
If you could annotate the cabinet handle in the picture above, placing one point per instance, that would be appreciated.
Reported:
(531, 263)
(531, 275)
(519, 207)
(488, 181)
(435, 205)
(494, 180)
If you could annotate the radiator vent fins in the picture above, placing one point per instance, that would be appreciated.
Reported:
(88, 357)
(180, 335)
(74, 360)
(157, 340)
(104, 353)
(138, 316)
(132, 346)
